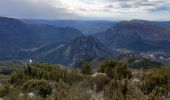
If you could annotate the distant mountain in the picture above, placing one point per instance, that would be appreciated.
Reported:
(166, 23)
(86, 27)
(16, 36)
(68, 46)
(137, 35)
(75, 52)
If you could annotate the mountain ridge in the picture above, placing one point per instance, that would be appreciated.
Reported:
(77, 51)
(128, 34)
(16, 35)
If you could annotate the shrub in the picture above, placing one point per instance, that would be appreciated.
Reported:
(115, 69)
(18, 77)
(108, 67)
(86, 69)
(73, 77)
(116, 90)
(76, 91)
(156, 82)
(122, 71)
(101, 81)
(4, 89)
(40, 87)
(45, 71)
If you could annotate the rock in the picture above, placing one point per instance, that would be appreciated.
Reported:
(30, 94)
(97, 74)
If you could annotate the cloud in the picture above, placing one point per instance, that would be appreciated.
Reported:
(86, 9)
(116, 8)
(33, 9)
(112, 5)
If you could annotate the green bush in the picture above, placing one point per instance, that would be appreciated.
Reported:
(86, 69)
(52, 73)
(108, 67)
(18, 77)
(73, 77)
(4, 89)
(76, 91)
(40, 87)
(122, 71)
(45, 71)
(156, 82)
(115, 69)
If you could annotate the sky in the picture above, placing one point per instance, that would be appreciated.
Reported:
(87, 9)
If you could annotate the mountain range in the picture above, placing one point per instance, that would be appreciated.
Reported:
(137, 35)
(40, 41)
(87, 27)
(16, 35)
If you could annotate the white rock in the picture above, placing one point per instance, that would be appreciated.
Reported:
(135, 80)
(97, 74)
(30, 94)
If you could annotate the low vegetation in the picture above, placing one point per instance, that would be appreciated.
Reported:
(113, 80)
